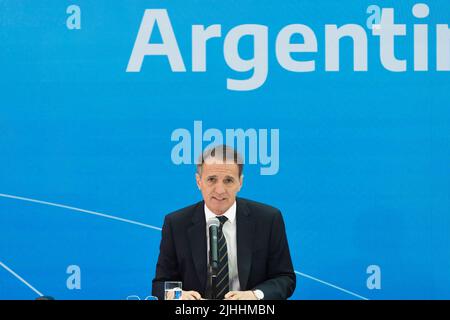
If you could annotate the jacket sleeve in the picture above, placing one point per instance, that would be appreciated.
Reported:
(281, 277)
(167, 265)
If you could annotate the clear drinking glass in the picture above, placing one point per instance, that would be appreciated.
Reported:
(172, 290)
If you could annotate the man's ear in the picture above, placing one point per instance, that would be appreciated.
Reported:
(241, 181)
(198, 179)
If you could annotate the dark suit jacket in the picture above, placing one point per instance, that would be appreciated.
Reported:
(263, 257)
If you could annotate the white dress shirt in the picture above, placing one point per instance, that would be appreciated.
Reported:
(229, 231)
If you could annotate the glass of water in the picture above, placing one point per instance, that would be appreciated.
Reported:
(172, 290)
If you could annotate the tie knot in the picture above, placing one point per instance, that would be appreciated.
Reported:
(222, 220)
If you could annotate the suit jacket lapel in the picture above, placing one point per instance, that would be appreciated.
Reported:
(245, 228)
(197, 242)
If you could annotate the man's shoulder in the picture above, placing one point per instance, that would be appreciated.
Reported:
(184, 213)
(258, 207)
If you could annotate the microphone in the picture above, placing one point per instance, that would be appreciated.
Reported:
(213, 227)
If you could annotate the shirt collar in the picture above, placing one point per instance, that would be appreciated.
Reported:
(230, 213)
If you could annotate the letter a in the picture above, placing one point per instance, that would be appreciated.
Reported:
(374, 280)
(74, 20)
(74, 280)
(168, 47)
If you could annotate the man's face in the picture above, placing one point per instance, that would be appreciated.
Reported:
(219, 183)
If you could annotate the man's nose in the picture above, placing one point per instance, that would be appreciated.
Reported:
(220, 188)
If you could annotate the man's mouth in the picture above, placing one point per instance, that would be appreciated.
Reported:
(219, 199)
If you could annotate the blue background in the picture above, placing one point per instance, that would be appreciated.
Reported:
(364, 156)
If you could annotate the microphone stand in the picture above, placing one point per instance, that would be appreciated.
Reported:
(213, 281)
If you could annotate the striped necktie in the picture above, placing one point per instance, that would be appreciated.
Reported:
(222, 280)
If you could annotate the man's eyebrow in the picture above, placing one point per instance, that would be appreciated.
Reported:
(229, 177)
(213, 176)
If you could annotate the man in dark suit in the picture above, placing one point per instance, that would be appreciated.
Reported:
(254, 258)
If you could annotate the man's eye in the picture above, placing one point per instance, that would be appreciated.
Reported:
(211, 179)
(228, 181)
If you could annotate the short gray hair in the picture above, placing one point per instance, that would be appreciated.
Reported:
(221, 152)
